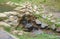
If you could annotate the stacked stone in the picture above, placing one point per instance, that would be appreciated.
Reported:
(19, 12)
(11, 18)
(27, 8)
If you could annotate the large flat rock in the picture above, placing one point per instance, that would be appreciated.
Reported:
(5, 35)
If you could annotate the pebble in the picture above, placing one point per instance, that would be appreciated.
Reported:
(53, 21)
(37, 12)
(14, 31)
(27, 13)
(53, 27)
(16, 3)
(3, 15)
(44, 16)
(35, 7)
(4, 24)
(8, 2)
(14, 22)
(50, 14)
(38, 21)
(21, 33)
(37, 32)
(58, 29)
(17, 8)
(11, 12)
(43, 25)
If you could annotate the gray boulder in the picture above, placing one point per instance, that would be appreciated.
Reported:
(6, 35)
(28, 25)
(44, 25)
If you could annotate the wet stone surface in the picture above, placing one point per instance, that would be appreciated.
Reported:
(4, 35)
(28, 25)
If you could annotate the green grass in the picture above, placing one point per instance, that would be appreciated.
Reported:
(5, 8)
(8, 29)
(41, 36)
(30, 36)
(44, 20)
